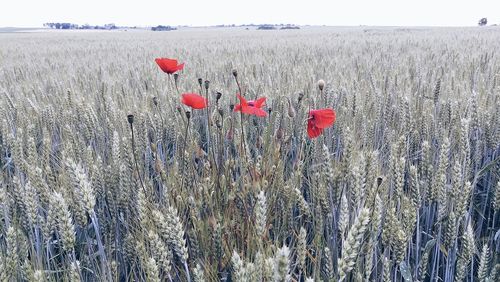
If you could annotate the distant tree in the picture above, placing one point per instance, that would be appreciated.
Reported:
(110, 26)
(483, 22)
(266, 27)
(288, 26)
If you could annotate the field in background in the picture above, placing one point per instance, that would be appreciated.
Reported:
(404, 186)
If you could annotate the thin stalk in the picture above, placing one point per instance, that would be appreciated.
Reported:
(174, 82)
(102, 253)
(183, 149)
(131, 122)
(187, 272)
(209, 132)
(242, 141)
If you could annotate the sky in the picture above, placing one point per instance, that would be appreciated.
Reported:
(33, 13)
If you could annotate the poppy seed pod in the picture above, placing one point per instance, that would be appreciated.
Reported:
(130, 119)
(321, 84)
(269, 110)
(218, 96)
(188, 114)
(379, 181)
(155, 101)
(207, 84)
(176, 77)
(221, 112)
(231, 107)
(235, 73)
(200, 81)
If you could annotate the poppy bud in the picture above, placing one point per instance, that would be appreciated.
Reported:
(301, 96)
(155, 101)
(153, 147)
(221, 112)
(200, 81)
(235, 73)
(321, 84)
(229, 134)
(379, 181)
(269, 110)
(176, 77)
(130, 119)
(279, 133)
(207, 83)
(188, 114)
(218, 124)
(291, 110)
(231, 107)
(219, 95)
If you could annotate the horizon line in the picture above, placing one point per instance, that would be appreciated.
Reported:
(251, 24)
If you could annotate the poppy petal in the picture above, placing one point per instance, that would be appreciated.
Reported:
(169, 65)
(180, 67)
(312, 130)
(247, 110)
(243, 101)
(194, 101)
(323, 118)
(260, 112)
(259, 103)
(237, 108)
(254, 111)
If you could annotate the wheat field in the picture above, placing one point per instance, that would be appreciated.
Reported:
(107, 176)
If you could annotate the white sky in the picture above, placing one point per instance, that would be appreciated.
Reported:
(33, 13)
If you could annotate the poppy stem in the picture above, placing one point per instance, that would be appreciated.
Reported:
(188, 115)
(323, 98)
(209, 132)
(175, 84)
(171, 105)
(131, 122)
(243, 144)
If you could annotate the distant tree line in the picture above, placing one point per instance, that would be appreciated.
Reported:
(266, 27)
(262, 26)
(163, 28)
(75, 26)
(289, 26)
(271, 27)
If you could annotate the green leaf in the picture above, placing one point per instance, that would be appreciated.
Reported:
(430, 244)
(405, 271)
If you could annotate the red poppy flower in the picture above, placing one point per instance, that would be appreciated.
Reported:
(194, 101)
(251, 107)
(169, 66)
(318, 121)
